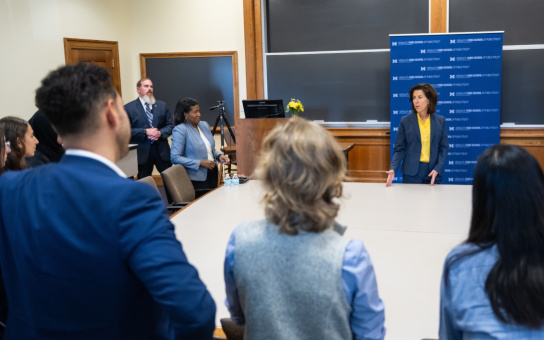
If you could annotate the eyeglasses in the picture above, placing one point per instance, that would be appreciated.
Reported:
(8, 145)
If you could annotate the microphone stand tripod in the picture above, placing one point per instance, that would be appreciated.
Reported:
(222, 120)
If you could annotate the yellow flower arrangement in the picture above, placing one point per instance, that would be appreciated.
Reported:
(294, 106)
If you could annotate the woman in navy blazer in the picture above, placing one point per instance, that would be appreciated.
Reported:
(408, 144)
(193, 145)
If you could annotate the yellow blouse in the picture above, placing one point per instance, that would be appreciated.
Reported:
(425, 131)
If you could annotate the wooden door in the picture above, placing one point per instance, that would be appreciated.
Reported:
(98, 52)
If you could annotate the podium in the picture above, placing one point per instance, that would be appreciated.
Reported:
(250, 133)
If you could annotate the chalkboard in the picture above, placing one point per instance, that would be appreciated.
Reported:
(523, 69)
(522, 87)
(354, 87)
(345, 87)
(206, 78)
(521, 21)
(336, 87)
(325, 25)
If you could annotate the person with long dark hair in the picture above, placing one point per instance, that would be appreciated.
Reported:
(422, 140)
(49, 150)
(193, 145)
(5, 149)
(493, 284)
(22, 141)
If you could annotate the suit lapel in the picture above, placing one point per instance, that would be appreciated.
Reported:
(197, 139)
(206, 135)
(142, 111)
(433, 127)
(416, 127)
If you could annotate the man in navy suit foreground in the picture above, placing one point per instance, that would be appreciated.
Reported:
(84, 252)
(151, 125)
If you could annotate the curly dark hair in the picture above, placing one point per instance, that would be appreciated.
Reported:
(71, 95)
(183, 106)
(430, 93)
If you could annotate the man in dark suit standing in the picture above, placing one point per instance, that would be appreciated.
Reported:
(151, 125)
(86, 253)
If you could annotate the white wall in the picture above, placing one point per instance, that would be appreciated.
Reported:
(187, 26)
(31, 36)
(32, 32)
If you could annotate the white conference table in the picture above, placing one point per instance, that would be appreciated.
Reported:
(129, 163)
(407, 229)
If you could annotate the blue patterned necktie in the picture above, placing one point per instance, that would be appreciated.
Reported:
(149, 114)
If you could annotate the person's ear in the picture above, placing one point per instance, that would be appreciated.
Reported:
(19, 143)
(112, 117)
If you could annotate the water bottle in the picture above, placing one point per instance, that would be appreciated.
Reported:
(235, 180)
(227, 181)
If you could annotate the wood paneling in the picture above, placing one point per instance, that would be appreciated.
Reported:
(218, 334)
(531, 139)
(254, 49)
(439, 16)
(249, 138)
(158, 180)
(370, 157)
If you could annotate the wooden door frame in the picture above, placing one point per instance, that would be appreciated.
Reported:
(102, 45)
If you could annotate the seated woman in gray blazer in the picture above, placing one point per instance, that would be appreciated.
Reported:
(422, 140)
(193, 145)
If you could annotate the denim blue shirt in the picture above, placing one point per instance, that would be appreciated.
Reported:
(465, 310)
(360, 288)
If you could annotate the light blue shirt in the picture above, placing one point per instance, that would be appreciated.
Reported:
(465, 310)
(360, 288)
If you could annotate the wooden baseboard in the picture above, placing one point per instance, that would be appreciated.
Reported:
(218, 334)
(158, 180)
(370, 156)
(367, 176)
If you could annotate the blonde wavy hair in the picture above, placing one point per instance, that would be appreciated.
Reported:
(302, 169)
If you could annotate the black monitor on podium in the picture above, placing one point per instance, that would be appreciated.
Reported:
(264, 108)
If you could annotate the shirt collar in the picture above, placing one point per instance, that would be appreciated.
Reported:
(97, 157)
(143, 103)
(427, 121)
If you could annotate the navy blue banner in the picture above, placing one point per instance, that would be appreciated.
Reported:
(466, 71)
